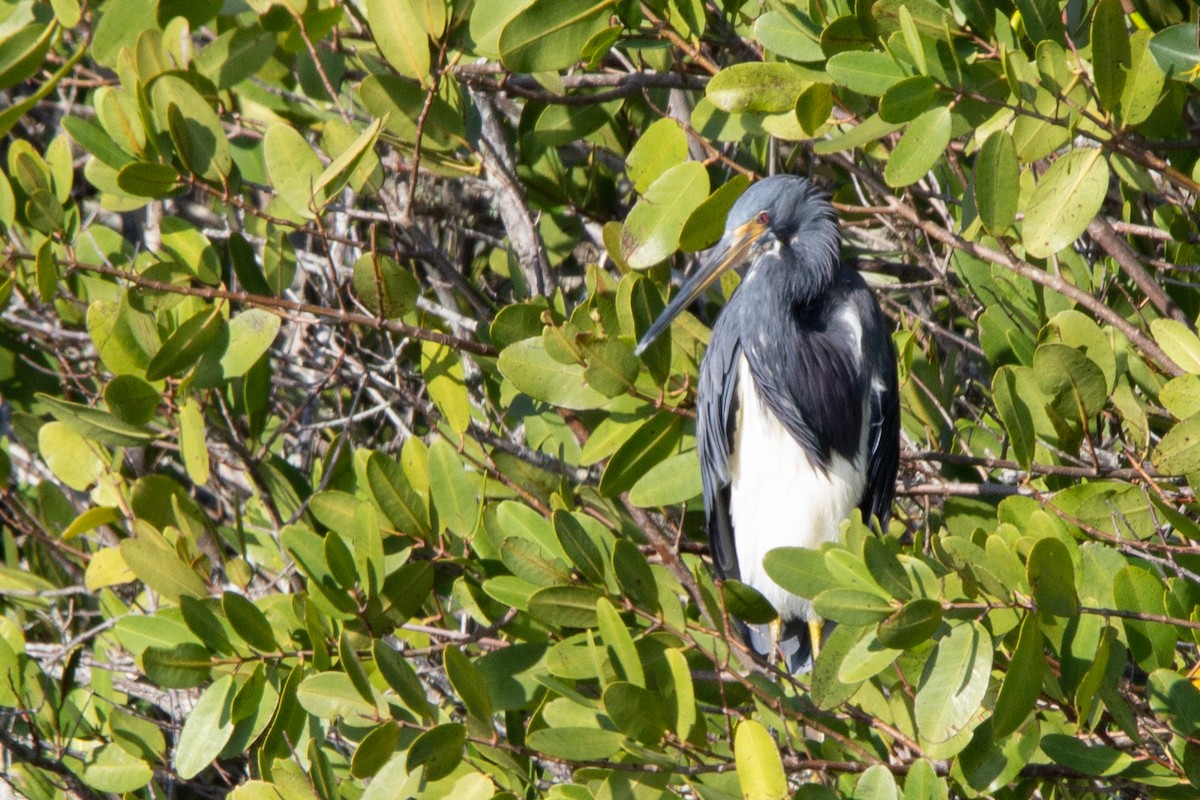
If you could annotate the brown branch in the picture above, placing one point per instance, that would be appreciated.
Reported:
(280, 304)
(1123, 254)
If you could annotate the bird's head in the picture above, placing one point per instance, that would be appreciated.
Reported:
(782, 219)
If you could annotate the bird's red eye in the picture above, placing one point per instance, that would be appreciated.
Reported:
(763, 218)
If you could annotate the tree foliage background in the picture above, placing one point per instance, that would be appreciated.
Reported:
(329, 471)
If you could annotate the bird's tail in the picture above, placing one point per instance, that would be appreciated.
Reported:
(794, 646)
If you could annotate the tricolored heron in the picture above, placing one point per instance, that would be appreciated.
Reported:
(798, 406)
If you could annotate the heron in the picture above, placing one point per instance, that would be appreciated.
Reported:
(797, 405)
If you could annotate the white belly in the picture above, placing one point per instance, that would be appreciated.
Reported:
(779, 498)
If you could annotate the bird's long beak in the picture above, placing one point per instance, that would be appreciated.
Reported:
(730, 252)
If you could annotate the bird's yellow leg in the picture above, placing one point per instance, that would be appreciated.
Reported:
(816, 626)
(1194, 675)
(775, 630)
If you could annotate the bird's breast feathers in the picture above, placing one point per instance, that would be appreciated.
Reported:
(779, 497)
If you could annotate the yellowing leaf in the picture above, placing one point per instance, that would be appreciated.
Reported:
(759, 768)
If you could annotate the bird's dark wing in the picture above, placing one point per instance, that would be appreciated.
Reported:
(883, 438)
(717, 412)
(823, 393)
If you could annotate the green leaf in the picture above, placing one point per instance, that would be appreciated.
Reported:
(1179, 342)
(1022, 683)
(399, 675)
(1051, 577)
(188, 343)
(1015, 414)
(161, 570)
(146, 179)
(206, 729)
(112, 769)
(549, 35)
(770, 88)
(954, 683)
(672, 481)
(293, 168)
(580, 548)
(403, 504)
(759, 768)
(863, 659)
(251, 333)
(1042, 18)
(636, 711)
(1175, 50)
(404, 102)
(1066, 199)
(851, 606)
(610, 366)
(344, 165)
(568, 606)
(23, 51)
(73, 460)
(996, 183)
(1178, 452)
(702, 230)
(468, 684)
(634, 575)
(383, 286)
(528, 366)
(1143, 82)
(1139, 591)
(453, 495)
(575, 743)
(140, 737)
(654, 440)
(193, 446)
(90, 520)
(180, 667)
(256, 790)
(1175, 699)
(439, 750)
(866, 72)
(45, 213)
(375, 749)
(876, 782)
(745, 603)
(1075, 382)
(653, 227)
(682, 694)
(106, 568)
(1110, 52)
(1081, 757)
(249, 622)
(351, 664)
(907, 99)
(234, 56)
(196, 131)
(785, 35)
(911, 624)
(813, 108)
(186, 245)
(799, 570)
(202, 620)
(401, 37)
(332, 694)
(622, 651)
(445, 380)
(921, 146)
